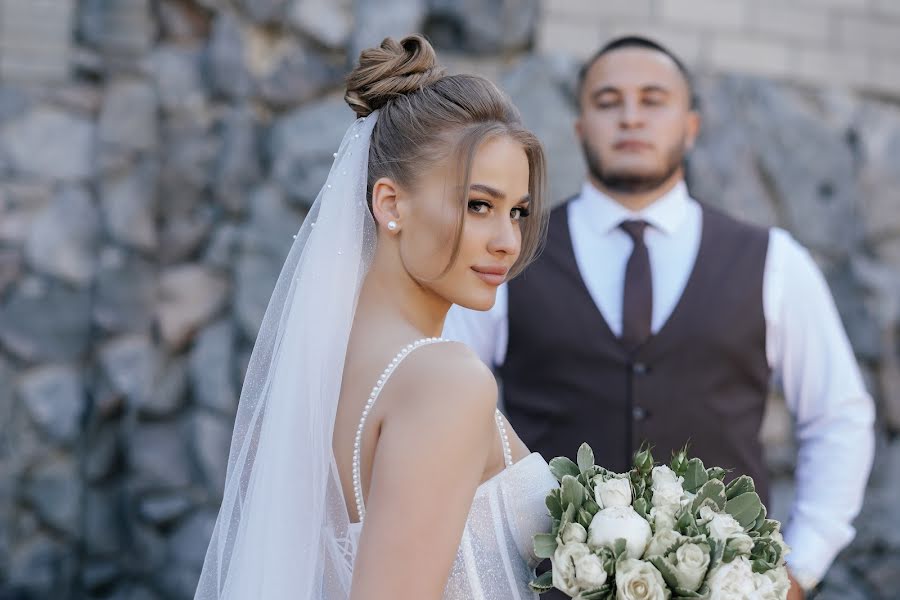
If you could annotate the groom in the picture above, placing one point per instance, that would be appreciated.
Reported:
(653, 317)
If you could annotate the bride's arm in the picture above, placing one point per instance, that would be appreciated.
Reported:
(431, 456)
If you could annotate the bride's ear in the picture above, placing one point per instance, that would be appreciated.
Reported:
(385, 204)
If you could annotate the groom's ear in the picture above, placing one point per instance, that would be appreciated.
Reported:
(385, 195)
(692, 129)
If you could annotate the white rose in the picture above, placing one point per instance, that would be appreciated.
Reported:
(661, 541)
(732, 581)
(639, 580)
(772, 585)
(612, 492)
(563, 562)
(691, 564)
(741, 543)
(721, 525)
(573, 532)
(617, 522)
(785, 549)
(589, 572)
(667, 489)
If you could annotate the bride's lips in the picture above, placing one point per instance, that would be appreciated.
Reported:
(491, 275)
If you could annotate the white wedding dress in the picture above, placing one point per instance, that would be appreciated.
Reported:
(495, 560)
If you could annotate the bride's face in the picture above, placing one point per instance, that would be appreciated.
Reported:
(497, 203)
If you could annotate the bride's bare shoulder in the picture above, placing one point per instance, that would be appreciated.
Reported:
(444, 376)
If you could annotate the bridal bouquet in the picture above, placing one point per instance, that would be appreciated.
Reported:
(659, 533)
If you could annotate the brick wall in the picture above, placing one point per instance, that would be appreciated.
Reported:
(853, 43)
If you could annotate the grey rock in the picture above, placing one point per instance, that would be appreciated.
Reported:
(181, 236)
(81, 98)
(224, 59)
(124, 26)
(191, 150)
(99, 575)
(50, 143)
(842, 584)
(103, 453)
(190, 538)
(884, 575)
(482, 26)
(302, 144)
(36, 565)
(178, 76)
(54, 489)
(129, 206)
(255, 276)
(13, 103)
(11, 267)
(223, 246)
(20, 203)
(190, 295)
(63, 237)
(374, 21)
(327, 22)
(148, 550)
(211, 437)
(861, 324)
(163, 509)
(549, 113)
(158, 456)
(299, 77)
(178, 581)
(45, 321)
(128, 120)
(183, 21)
(130, 364)
(211, 368)
(126, 291)
(238, 166)
(263, 11)
(55, 398)
(170, 390)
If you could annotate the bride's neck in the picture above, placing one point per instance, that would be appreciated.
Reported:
(391, 297)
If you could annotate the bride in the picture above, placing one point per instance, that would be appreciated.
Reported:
(369, 459)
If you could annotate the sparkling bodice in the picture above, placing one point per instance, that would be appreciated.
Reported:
(495, 560)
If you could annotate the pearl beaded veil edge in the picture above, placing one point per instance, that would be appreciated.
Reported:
(283, 527)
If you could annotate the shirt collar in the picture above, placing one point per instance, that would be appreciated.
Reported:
(605, 214)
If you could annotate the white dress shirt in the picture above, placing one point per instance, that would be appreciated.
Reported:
(806, 347)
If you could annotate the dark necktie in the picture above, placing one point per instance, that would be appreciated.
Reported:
(637, 302)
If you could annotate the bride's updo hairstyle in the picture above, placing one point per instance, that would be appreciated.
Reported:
(426, 116)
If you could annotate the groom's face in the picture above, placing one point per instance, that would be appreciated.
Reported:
(635, 122)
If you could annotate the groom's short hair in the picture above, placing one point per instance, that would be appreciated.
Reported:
(637, 41)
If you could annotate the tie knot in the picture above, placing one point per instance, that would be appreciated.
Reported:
(635, 229)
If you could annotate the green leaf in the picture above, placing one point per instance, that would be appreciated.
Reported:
(542, 584)
(712, 491)
(745, 508)
(585, 458)
(562, 466)
(585, 518)
(591, 506)
(619, 547)
(554, 504)
(641, 507)
(741, 485)
(769, 527)
(604, 592)
(760, 519)
(572, 492)
(716, 472)
(695, 476)
(544, 545)
(666, 569)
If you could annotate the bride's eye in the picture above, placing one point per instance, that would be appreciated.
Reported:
(479, 207)
(519, 213)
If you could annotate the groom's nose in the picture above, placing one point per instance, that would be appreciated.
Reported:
(631, 114)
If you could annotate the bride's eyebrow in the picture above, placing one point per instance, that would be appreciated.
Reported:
(495, 193)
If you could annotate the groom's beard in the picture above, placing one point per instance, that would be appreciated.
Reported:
(630, 182)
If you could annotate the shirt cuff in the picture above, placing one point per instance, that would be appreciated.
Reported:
(811, 554)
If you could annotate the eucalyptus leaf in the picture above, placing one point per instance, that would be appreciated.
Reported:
(716, 473)
(585, 458)
(641, 507)
(695, 476)
(572, 492)
(619, 547)
(591, 506)
(544, 545)
(745, 508)
(542, 584)
(562, 466)
(585, 518)
(713, 491)
(741, 485)
(666, 569)
(769, 527)
(554, 504)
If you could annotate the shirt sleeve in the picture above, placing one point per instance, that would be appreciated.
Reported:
(834, 415)
(486, 332)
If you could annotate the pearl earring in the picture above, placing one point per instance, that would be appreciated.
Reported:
(392, 225)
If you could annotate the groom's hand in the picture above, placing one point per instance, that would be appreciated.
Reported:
(795, 592)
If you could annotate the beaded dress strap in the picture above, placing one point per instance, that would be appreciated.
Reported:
(376, 391)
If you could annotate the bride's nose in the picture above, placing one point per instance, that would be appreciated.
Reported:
(505, 238)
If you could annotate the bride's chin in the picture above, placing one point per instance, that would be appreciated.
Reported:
(477, 301)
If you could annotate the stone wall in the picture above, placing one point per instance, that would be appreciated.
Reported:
(148, 199)
(820, 42)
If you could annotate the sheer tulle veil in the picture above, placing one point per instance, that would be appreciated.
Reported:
(282, 529)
